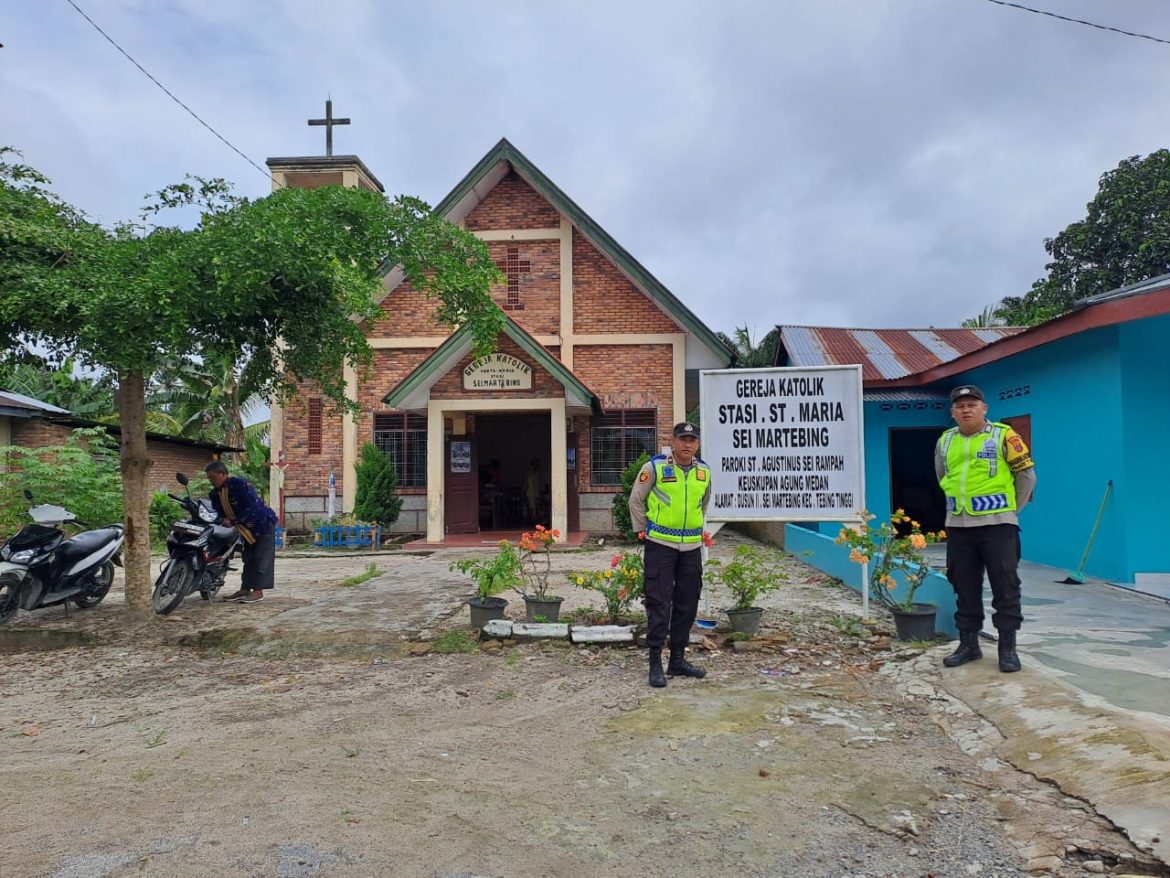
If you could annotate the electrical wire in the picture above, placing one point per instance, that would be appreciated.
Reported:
(167, 91)
(1115, 30)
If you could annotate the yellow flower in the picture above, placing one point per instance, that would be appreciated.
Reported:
(580, 580)
(608, 574)
(918, 541)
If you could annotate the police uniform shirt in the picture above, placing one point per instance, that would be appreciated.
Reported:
(1019, 461)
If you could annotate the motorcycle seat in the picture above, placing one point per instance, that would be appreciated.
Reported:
(76, 548)
(223, 534)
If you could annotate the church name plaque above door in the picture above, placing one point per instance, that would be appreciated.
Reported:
(497, 372)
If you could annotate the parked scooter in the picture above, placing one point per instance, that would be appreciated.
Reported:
(40, 568)
(198, 553)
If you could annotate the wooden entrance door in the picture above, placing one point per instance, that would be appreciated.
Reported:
(461, 486)
(574, 511)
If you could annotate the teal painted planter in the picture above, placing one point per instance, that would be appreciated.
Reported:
(334, 536)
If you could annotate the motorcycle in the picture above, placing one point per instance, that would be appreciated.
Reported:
(198, 552)
(40, 568)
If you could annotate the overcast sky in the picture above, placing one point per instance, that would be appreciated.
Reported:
(830, 162)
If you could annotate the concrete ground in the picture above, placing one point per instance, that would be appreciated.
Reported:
(1092, 708)
(1087, 718)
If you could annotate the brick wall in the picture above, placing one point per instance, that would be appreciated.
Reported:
(605, 301)
(406, 311)
(626, 377)
(513, 204)
(540, 285)
(388, 370)
(309, 473)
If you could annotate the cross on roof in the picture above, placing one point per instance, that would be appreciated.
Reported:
(329, 122)
(513, 266)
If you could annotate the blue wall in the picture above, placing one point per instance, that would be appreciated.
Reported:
(1144, 487)
(819, 550)
(1075, 402)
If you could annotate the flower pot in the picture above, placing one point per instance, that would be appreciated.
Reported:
(745, 621)
(917, 623)
(483, 610)
(548, 606)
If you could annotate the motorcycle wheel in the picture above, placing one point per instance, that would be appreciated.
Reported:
(9, 596)
(171, 587)
(103, 578)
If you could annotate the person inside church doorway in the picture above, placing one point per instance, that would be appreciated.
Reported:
(238, 505)
(532, 491)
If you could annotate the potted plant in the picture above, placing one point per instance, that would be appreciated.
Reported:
(535, 564)
(891, 552)
(751, 572)
(492, 576)
(620, 585)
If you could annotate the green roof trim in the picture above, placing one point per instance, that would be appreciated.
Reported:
(506, 152)
(433, 364)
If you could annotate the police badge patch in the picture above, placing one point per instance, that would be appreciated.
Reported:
(701, 475)
(668, 474)
(644, 476)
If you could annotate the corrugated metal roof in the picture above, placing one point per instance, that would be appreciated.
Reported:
(885, 353)
(1162, 281)
(20, 401)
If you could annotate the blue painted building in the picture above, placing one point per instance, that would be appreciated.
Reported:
(1090, 393)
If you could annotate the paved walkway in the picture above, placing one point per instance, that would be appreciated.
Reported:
(1091, 709)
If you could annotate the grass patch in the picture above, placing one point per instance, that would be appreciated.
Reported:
(142, 774)
(454, 641)
(505, 695)
(369, 573)
(513, 659)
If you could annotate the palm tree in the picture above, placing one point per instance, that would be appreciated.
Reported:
(211, 399)
(81, 395)
(985, 319)
(749, 354)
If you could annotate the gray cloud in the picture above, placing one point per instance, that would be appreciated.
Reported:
(853, 162)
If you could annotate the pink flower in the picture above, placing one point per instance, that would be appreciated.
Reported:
(615, 561)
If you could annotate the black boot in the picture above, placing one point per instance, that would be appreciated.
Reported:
(680, 667)
(968, 650)
(1009, 661)
(657, 679)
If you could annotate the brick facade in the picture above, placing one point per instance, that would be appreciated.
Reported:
(624, 376)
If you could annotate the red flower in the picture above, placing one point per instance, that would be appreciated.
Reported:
(615, 561)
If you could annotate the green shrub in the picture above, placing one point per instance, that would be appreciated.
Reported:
(81, 474)
(375, 500)
(621, 501)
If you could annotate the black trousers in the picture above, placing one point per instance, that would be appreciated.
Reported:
(259, 562)
(674, 581)
(994, 548)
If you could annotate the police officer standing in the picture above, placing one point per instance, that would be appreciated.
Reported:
(987, 474)
(667, 505)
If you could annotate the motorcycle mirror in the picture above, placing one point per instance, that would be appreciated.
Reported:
(181, 478)
(28, 495)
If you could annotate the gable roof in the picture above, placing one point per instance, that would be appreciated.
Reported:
(884, 354)
(493, 167)
(411, 393)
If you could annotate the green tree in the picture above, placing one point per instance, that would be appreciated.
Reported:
(284, 280)
(375, 498)
(750, 354)
(1123, 239)
(86, 397)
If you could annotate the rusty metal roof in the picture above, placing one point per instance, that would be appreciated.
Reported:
(885, 353)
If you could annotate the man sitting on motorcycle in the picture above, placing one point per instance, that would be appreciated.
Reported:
(239, 506)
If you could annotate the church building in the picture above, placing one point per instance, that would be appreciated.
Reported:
(597, 362)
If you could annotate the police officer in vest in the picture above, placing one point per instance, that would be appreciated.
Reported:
(667, 505)
(986, 472)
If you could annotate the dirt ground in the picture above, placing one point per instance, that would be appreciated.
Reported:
(225, 741)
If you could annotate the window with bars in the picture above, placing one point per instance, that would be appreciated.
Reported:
(618, 439)
(404, 438)
(315, 417)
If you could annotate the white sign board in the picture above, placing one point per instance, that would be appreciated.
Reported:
(497, 372)
(783, 444)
